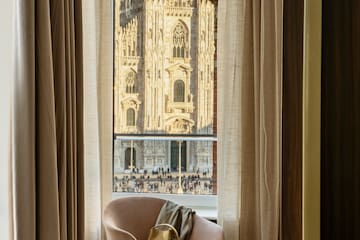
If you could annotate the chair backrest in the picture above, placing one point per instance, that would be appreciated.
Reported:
(133, 214)
(136, 215)
(205, 230)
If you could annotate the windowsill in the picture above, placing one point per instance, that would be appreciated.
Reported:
(204, 205)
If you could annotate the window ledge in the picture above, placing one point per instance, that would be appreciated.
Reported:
(204, 205)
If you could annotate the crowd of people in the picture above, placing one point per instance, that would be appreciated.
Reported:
(164, 181)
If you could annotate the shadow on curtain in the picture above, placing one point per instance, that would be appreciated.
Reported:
(48, 121)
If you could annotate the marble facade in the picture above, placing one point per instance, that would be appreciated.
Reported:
(164, 64)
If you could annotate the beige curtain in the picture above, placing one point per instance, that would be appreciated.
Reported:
(48, 121)
(249, 113)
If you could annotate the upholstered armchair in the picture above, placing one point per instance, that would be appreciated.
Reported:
(131, 219)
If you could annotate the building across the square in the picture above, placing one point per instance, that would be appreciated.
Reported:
(164, 81)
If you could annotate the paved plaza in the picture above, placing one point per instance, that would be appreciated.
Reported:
(164, 182)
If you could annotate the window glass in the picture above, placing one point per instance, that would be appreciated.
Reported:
(130, 117)
(179, 92)
(165, 96)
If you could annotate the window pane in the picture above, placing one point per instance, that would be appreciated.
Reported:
(165, 85)
(179, 91)
(154, 166)
(130, 117)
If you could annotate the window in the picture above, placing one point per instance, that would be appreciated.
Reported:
(165, 98)
(179, 92)
(180, 40)
(130, 117)
(130, 83)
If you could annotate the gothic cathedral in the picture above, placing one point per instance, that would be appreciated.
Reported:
(164, 64)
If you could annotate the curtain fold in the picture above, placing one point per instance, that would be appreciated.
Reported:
(48, 121)
(98, 106)
(23, 129)
(6, 81)
(249, 113)
(91, 125)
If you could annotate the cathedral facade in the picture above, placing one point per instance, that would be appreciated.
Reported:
(164, 64)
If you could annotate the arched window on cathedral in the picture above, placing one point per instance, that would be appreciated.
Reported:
(130, 82)
(130, 117)
(179, 91)
(180, 41)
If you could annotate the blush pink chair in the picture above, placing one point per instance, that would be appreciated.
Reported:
(131, 219)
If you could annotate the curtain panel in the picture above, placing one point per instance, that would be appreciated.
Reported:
(98, 112)
(249, 118)
(6, 80)
(48, 189)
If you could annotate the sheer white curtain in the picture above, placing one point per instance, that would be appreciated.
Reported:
(97, 19)
(249, 113)
(5, 156)
(6, 79)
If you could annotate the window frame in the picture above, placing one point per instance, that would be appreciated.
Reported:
(204, 205)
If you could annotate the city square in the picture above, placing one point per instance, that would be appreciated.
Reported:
(164, 182)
